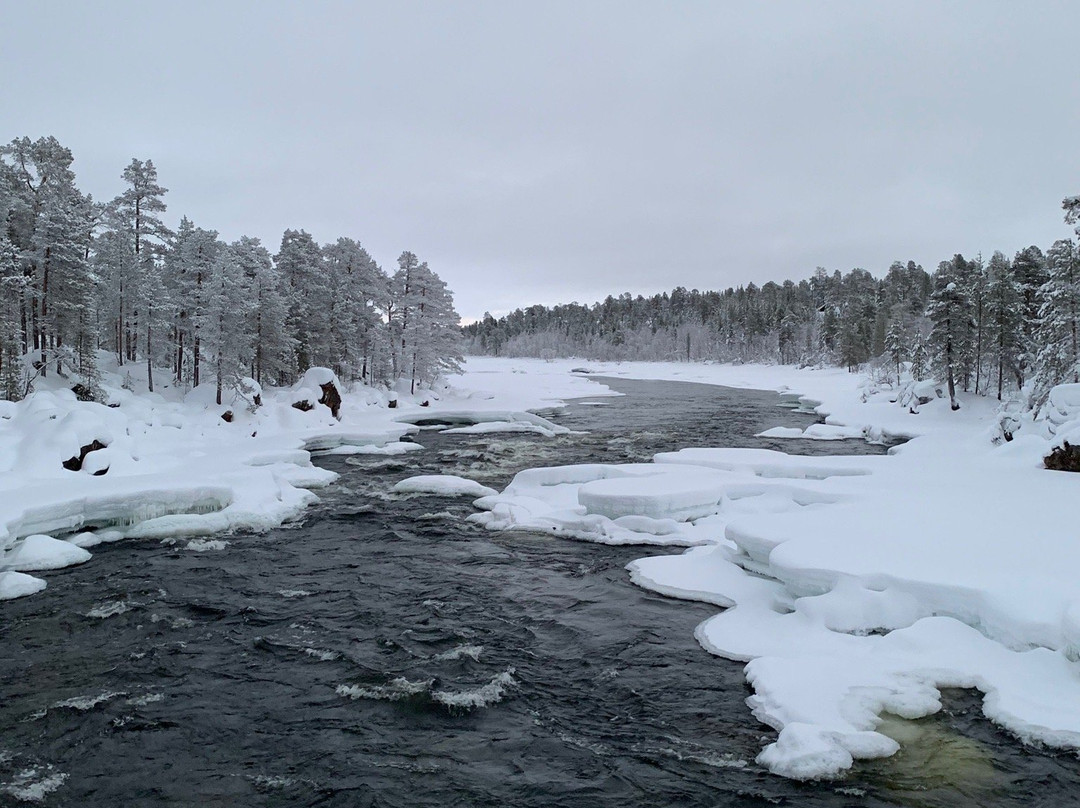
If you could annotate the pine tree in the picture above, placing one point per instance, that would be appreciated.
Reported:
(47, 223)
(12, 285)
(431, 337)
(224, 339)
(356, 282)
(189, 267)
(270, 349)
(307, 289)
(144, 304)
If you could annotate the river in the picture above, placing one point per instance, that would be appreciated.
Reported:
(385, 652)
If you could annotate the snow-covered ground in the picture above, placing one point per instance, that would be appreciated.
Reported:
(852, 586)
(855, 586)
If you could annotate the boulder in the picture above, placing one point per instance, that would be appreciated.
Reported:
(76, 463)
(82, 392)
(227, 416)
(331, 398)
(1063, 458)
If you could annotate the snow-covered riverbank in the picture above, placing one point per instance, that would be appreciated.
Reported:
(858, 585)
(168, 466)
(853, 586)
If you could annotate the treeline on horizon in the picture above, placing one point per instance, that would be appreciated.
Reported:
(78, 276)
(995, 327)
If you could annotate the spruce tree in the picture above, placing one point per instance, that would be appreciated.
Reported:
(1004, 317)
(1059, 320)
(950, 313)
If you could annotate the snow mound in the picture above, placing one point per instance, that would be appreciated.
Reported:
(1062, 407)
(443, 484)
(40, 552)
(17, 585)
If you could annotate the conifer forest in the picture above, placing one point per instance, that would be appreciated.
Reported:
(78, 276)
(992, 326)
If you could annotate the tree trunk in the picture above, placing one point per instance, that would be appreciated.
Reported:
(149, 353)
(120, 328)
(257, 370)
(44, 312)
(949, 374)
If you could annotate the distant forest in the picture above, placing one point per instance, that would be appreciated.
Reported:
(78, 276)
(994, 326)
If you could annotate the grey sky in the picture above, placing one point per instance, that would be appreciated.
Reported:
(548, 152)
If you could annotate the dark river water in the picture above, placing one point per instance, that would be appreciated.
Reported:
(386, 652)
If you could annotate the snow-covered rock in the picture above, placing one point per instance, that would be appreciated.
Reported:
(444, 485)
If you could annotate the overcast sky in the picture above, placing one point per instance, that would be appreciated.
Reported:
(543, 152)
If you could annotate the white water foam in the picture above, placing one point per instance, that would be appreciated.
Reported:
(34, 784)
(103, 611)
(483, 696)
(471, 651)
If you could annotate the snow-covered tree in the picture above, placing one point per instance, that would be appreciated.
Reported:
(223, 336)
(12, 286)
(1029, 270)
(950, 313)
(307, 290)
(920, 357)
(189, 267)
(270, 349)
(356, 283)
(896, 345)
(1059, 321)
(431, 338)
(1004, 322)
(139, 297)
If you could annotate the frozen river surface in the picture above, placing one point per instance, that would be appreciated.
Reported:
(387, 653)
